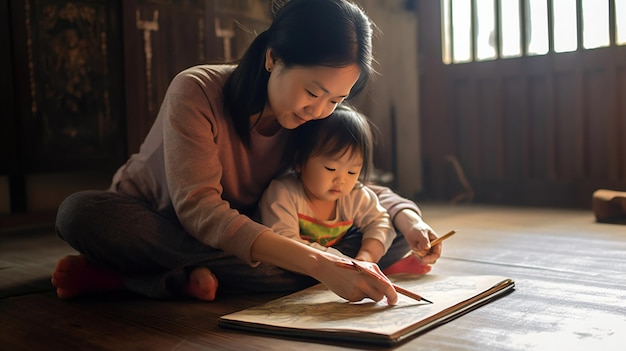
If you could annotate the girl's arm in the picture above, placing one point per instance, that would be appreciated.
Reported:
(419, 235)
(372, 250)
(372, 220)
(406, 217)
(279, 209)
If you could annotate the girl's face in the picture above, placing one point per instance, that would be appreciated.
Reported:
(297, 95)
(326, 178)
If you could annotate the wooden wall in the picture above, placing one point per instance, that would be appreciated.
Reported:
(83, 81)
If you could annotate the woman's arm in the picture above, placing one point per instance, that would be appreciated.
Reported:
(211, 187)
(291, 255)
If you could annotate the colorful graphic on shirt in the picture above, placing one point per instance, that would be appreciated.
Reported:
(326, 234)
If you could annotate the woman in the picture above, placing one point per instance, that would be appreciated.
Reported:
(177, 218)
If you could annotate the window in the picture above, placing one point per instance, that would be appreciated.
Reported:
(595, 24)
(537, 23)
(510, 35)
(479, 30)
(620, 16)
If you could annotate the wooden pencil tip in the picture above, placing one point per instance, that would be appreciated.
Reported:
(427, 300)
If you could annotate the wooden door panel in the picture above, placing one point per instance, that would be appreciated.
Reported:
(568, 136)
(514, 130)
(485, 98)
(597, 124)
(618, 154)
(539, 127)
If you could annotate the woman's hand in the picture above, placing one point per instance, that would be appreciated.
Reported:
(419, 235)
(353, 285)
(295, 256)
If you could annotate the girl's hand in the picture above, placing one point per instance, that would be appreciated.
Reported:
(371, 251)
(419, 235)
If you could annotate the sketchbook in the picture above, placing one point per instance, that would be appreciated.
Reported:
(318, 313)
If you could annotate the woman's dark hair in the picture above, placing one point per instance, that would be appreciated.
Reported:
(345, 130)
(333, 33)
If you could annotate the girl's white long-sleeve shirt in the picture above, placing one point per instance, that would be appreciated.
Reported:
(285, 209)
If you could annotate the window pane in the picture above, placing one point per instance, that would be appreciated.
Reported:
(537, 27)
(445, 29)
(461, 30)
(595, 24)
(565, 37)
(510, 26)
(485, 36)
(620, 16)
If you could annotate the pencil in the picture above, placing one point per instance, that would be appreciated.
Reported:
(435, 242)
(400, 290)
(442, 238)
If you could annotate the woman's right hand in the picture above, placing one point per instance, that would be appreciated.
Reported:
(327, 268)
(337, 275)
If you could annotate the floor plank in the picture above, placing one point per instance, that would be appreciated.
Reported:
(27, 258)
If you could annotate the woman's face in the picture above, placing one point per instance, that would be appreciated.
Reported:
(297, 95)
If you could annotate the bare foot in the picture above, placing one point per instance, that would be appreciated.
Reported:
(202, 284)
(74, 276)
(409, 264)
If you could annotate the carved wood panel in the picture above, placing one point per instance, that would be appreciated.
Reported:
(69, 92)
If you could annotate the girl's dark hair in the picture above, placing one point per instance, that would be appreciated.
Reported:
(345, 130)
(333, 33)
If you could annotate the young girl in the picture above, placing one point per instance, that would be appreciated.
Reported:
(325, 203)
(323, 199)
(176, 219)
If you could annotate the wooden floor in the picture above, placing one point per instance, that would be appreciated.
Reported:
(570, 275)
